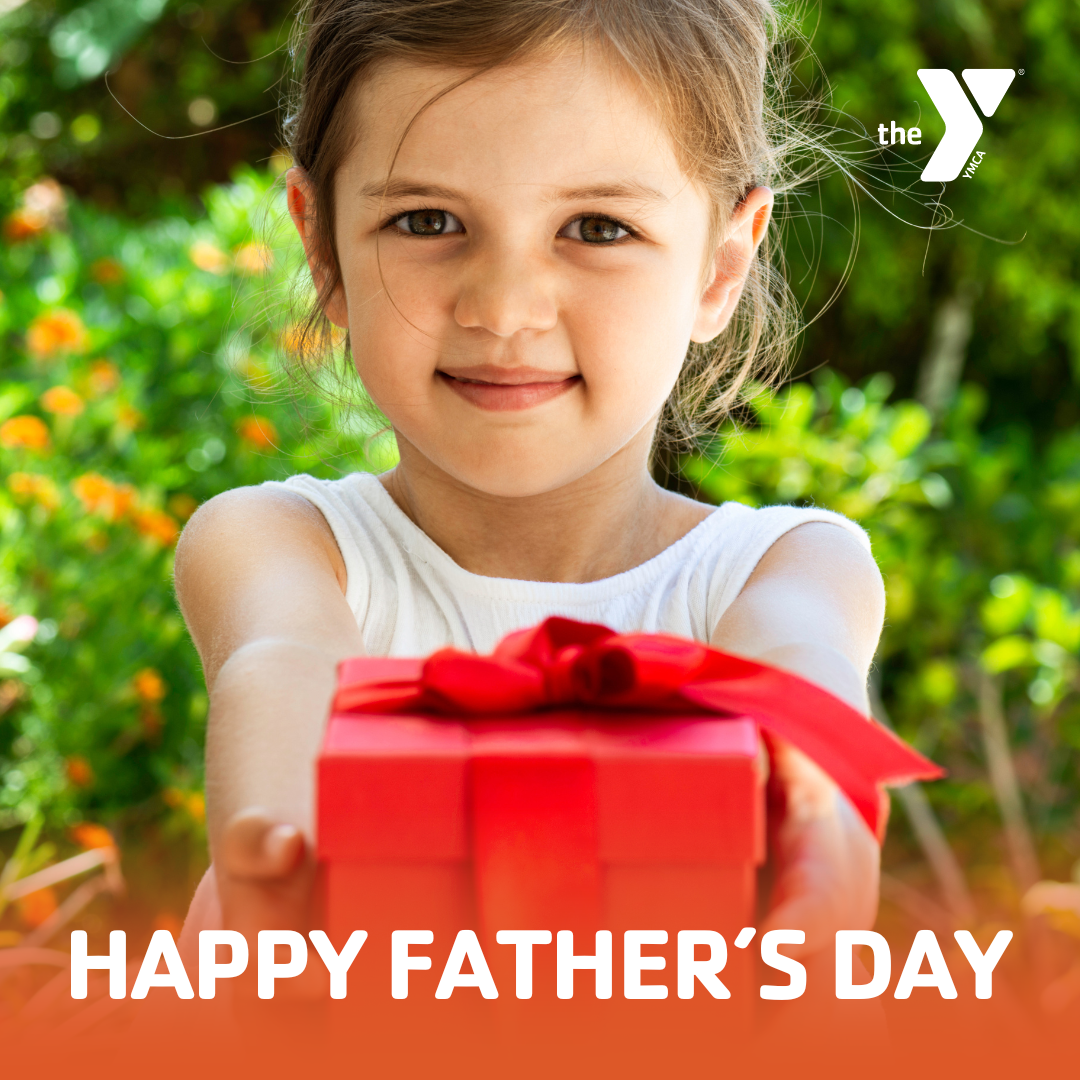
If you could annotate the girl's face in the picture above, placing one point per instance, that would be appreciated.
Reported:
(523, 271)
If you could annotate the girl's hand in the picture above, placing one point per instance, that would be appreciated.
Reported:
(265, 876)
(827, 860)
(265, 873)
(814, 605)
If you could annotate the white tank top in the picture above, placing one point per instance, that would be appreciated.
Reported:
(410, 598)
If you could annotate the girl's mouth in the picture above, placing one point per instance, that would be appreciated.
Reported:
(508, 389)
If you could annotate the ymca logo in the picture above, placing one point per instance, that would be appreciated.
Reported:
(963, 127)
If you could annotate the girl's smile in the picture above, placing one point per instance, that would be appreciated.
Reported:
(507, 389)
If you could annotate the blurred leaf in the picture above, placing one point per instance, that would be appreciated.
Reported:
(1007, 653)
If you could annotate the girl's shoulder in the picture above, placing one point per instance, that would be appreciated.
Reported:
(737, 536)
(355, 494)
(372, 535)
(757, 524)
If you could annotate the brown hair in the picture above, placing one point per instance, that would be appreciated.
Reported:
(707, 64)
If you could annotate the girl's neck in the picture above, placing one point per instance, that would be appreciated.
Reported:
(609, 521)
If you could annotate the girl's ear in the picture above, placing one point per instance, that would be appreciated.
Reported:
(300, 196)
(730, 264)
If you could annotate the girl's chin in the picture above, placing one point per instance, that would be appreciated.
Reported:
(521, 453)
(505, 474)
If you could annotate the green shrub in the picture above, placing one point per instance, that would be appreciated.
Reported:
(978, 539)
(139, 376)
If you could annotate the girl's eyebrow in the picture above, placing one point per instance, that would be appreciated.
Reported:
(626, 189)
(400, 189)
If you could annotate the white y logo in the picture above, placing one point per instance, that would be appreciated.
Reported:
(962, 124)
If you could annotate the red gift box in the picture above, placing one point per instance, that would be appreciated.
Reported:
(577, 779)
(566, 820)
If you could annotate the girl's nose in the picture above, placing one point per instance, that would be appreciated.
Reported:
(505, 294)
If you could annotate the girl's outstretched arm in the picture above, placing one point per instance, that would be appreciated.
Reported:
(815, 606)
(261, 584)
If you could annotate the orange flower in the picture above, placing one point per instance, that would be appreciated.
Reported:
(24, 433)
(43, 208)
(208, 257)
(254, 259)
(182, 505)
(24, 224)
(93, 491)
(87, 835)
(193, 802)
(78, 771)
(158, 526)
(107, 272)
(36, 907)
(100, 495)
(291, 338)
(123, 500)
(149, 686)
(103, 377)
(35, 486)
(257, 431)
(298, 341)
(127, 416)
(55, 332)
(62, 400)
(11, 691)
(304, 343)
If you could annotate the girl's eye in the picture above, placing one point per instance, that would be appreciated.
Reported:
(595, 230)
(428, 223)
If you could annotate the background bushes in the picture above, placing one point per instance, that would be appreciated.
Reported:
(145, 300)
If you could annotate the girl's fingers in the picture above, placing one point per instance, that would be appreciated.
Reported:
(283, 847)
(265, 876)
(827, 877)
(812, 915)
(254, 847)
(813, 894)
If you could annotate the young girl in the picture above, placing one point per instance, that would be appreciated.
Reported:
(532, 217)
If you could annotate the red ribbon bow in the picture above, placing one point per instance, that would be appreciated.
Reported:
(566, 663)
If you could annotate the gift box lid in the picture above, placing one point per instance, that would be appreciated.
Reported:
(670, 789)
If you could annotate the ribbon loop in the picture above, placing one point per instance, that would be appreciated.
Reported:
(460, 682)
(611, 671)
(561, 683)
(566, 663)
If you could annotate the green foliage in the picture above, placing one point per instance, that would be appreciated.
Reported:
(976, 539)
(139, 376)
(1010, 235)
(122, 100)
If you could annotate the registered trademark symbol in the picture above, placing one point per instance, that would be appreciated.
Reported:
(1021, 71)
